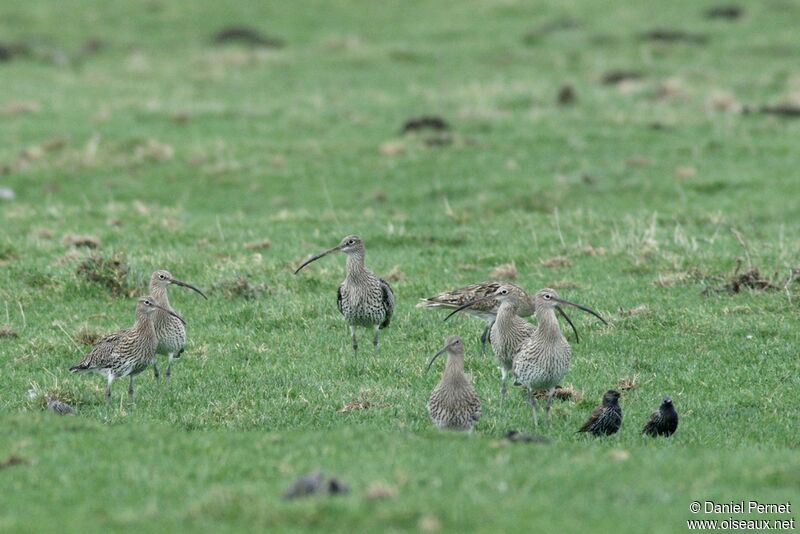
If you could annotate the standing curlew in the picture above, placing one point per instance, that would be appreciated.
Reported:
(454, 403)
(509, 330)
(482, 303)
(664, 421)
(362, 298)
(127, 352)
(606, 419)
(543, 359)
(170, 331)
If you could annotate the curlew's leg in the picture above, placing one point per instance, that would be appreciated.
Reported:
(155, 371)
(532, 400)
(549, 402)
(130, 388)
(484, 339)
(503, 385)
(108, 388)
(170, 357)
(353, 336)
(375, 338)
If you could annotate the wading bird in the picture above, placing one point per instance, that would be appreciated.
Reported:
(478, 300)
(170, 331)
(606, 419)
(363, 298)
(127, 352)
(544, 358)
(664, 421)
(454, 403)
(509, 330)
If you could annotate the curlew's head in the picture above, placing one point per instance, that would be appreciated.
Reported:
(611, 398)
(161, 279)
(548, 299)
(351, 244)
(147, 306)
(508, 293)
(453, 346)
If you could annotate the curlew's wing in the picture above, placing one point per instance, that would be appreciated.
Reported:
(100, 351)
(475, 404)
(458, 297)
(589, 424)
(388, 301)
(339, 299)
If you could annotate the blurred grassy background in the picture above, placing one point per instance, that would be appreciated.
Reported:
(228, 163)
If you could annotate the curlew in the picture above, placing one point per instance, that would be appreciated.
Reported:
(544, 358)
(363, 298)
(509, 330)
(454, 403)
(171, 332)
(606, 419)
(664, 421)
(127, 352)
(478, 300)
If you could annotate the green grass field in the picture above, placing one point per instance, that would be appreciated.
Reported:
(125, 122)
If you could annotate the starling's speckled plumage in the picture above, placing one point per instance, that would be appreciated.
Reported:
(170, 331)
(481, 301)
(454, 404)
(127, 352)
(664, 421)
(363, 298)
(606, 419)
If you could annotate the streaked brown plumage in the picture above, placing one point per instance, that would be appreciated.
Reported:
(170, 331)
(127, 352)
(606, 419)
(482, 305)
(544, 358)
(509, 329)
(363, 298)
(454, 404)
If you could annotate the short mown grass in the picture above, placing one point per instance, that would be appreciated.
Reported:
(228, 165)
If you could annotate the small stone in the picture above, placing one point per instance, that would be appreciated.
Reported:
(7, 194)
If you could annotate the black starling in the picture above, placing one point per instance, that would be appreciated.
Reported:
(664, 421)
(606, 419)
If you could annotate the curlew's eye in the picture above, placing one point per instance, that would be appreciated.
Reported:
(547, 296)
(161, 276)
(351, 242)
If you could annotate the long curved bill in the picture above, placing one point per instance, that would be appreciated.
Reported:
(565, 316)
(170, 312)
(434, 358)
(318, 256)
(468, 305)
(581, 307)
(190, 286)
